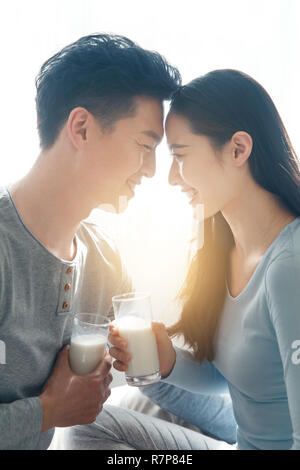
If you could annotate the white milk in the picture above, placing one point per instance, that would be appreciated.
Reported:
(86, 351)
(141, 345)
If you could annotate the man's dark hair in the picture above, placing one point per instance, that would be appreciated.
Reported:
(102, 73)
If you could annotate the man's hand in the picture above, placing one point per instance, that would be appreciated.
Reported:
(68, 399)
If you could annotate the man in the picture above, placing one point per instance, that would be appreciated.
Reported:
(100, 118)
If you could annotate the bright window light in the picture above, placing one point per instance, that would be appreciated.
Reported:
(259, 37)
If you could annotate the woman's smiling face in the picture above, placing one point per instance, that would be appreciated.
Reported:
(208, 176)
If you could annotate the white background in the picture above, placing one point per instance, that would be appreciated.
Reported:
(259, 37)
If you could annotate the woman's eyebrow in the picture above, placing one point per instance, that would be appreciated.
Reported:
(177, 146)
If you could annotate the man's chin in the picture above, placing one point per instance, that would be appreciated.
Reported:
(116, 207)
(122, 203)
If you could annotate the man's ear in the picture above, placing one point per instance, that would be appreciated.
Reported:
(77, 124)
(242, 145)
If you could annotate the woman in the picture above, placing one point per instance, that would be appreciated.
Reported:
(241, 311)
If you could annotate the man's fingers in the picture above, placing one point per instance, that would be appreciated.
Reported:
(105, 365)
(107, 394)
(64, 351)
(102, 369)
(109, 378)
(108, 357)
(63, 356)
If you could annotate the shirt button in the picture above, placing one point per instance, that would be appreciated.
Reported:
(67, 287)
(69, 270)
(65, 305)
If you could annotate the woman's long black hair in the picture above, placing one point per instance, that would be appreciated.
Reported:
(217, 105)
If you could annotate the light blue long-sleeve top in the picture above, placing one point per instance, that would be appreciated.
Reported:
(257, 347)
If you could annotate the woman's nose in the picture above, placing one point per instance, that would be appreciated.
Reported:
(174, 175)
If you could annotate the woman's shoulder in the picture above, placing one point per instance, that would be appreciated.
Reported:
(287, 244)
(282, 277)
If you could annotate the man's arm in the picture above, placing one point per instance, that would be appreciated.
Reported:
(66, 400)
(20, 424)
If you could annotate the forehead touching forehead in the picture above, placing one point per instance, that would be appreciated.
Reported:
(149, 117)
(177, 129)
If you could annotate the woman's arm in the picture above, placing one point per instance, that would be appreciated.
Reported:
(177, 366)
(194, 376)
(283, 295)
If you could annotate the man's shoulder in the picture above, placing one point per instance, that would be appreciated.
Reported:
(3, 191)
(103, 254)
(5, 203)
(96, 237)
(6, 216)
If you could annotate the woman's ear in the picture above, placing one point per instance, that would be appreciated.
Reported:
(242, 145)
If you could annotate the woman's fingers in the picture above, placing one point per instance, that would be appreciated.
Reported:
(118, 349)
(160, 332)
(120, 366)
(115, 339)
(119, 355)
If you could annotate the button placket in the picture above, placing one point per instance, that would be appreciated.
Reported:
(65, 297)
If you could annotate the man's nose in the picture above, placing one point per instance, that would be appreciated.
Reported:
(174, 174)
(149, 165)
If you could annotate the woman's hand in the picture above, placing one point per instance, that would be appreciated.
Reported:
(166, 351)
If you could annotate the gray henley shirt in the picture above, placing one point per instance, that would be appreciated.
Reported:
(39, 295)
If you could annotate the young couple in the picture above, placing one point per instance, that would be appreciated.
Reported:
(100, 118)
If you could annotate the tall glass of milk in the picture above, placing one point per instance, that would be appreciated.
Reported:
(133, 316)
(88, 342)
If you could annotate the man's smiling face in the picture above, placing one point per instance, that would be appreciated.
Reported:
(117, 160)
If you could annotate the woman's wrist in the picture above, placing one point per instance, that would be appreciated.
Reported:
(170, 369)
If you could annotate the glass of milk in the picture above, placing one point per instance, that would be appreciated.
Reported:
(88, 342)
(133, 316)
